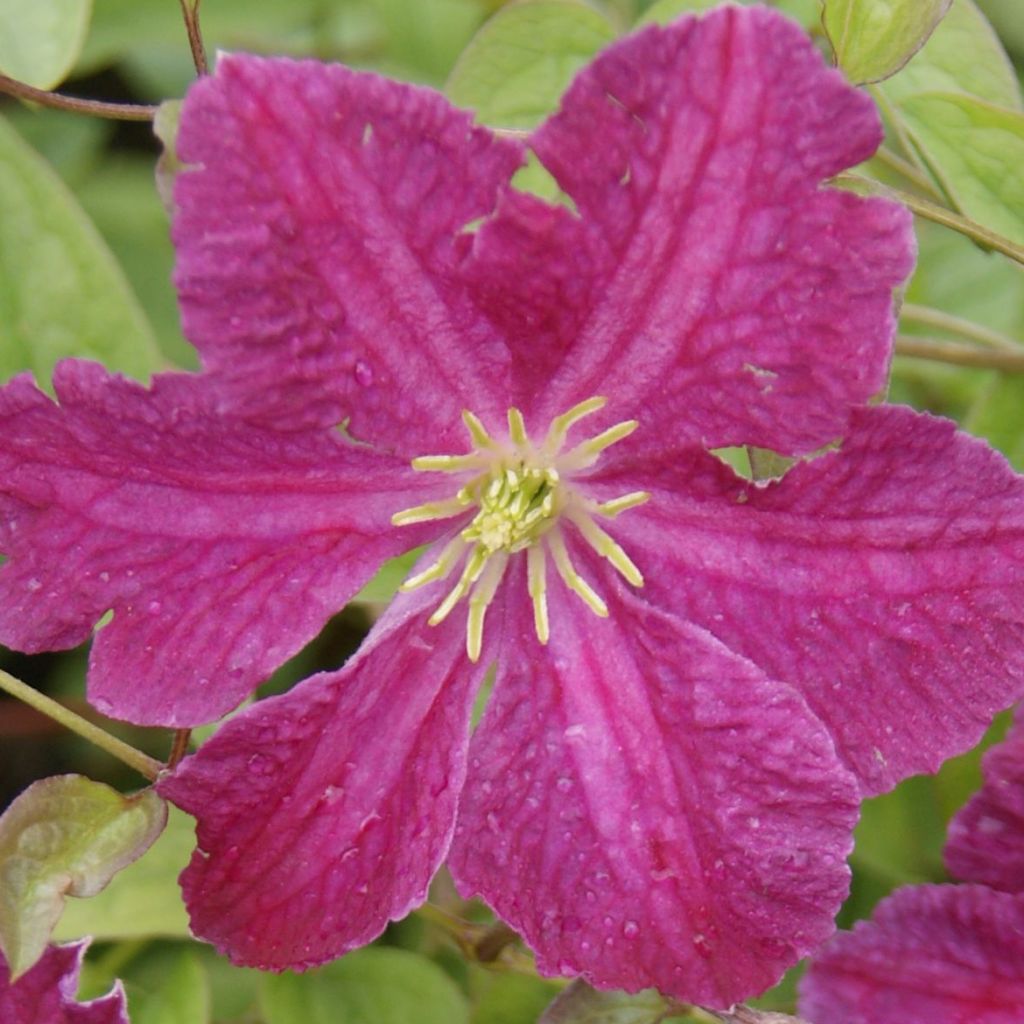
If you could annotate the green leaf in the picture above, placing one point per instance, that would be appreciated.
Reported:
(389, 577)
(873, 39)
(581, 1004)
(998, 416)
(661, 13)
(40, 39)
(65, 836)
(977, 151)
(371, 986)
(61, 292)
(513, 999)
(151, 882)
(963, 55)
(172, 988)
(522, 60)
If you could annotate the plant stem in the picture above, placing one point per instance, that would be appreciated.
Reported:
(142, 763)
(886, 156)
(179, 747)
(190, 12)
(94, 108)
(958, 325)
(959, 355)
(939, 214)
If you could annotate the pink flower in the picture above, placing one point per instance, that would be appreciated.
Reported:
(697, 677)
(942, 954)
(46, 993)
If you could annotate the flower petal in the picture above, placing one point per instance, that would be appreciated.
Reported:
(318, 235)
(885, 581)
(323, 813)
(221, 549)
(649, 810)
(932, 954)
(46, 993)
(986, 838)
(708, 286)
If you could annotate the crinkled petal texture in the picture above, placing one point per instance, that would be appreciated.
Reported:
(318, 237)
(707, 283)
(886, 575)
(647, 808)
(221, 548)
(986, 838)
(46, 993)
(324, 813)
(931, 954)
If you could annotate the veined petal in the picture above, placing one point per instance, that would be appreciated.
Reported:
(648, 809)
(46, 993)
(708, 285)
(886, 575)
(324, 813)
(931, 954)
(986, 838)
(221, 548)
(318, 233)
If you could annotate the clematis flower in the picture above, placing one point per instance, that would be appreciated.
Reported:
(942, 954)
(696, 677)
(46, 993)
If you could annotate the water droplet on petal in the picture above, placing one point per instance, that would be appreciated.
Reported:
(363, 373)
(630, 929)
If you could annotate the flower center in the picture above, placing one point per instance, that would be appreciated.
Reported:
(523, 493)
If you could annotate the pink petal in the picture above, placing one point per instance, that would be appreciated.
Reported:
(46, 993)
(932, 954)
(708, 284)
(222, 549)
(986, 838)
(318, 237)
(885, 581)
(648, 809)
(324, 813)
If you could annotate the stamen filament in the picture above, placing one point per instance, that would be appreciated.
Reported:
(432, 510)
(560, 424)
(610, 509)
(536, 569)
(477, 431)
(603, 544)
(470, 574)
(517, 428)
(449, 463)
(482, 596)
(573, 580)
(437, 570)
(587, 453)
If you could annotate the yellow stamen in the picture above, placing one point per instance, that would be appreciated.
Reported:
(479, 601)
(603, 544)
(537, 584)
(477, 431)
(573, 580)
(437, 570)
(560, 424)
(610, 509)
(517, 428)
(432, 510)
(586, 454)
(470, 574)
(449, 463)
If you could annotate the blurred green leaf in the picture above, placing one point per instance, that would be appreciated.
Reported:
(581, 1004)
(40, 39)
(977, 151)
(389, 577)
(519, 64)
(873, 39)
(172, 989)
(513, 999)
(963, 55)
(63, 294)
(234, 990)
(376, 985)
(807, 12)
(998, 416)
(64, 836)
(151, 882)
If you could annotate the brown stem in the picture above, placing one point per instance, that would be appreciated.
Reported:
(94, 108)
(489, 946)
(179, 747)
(958, 354)
(190, 12)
